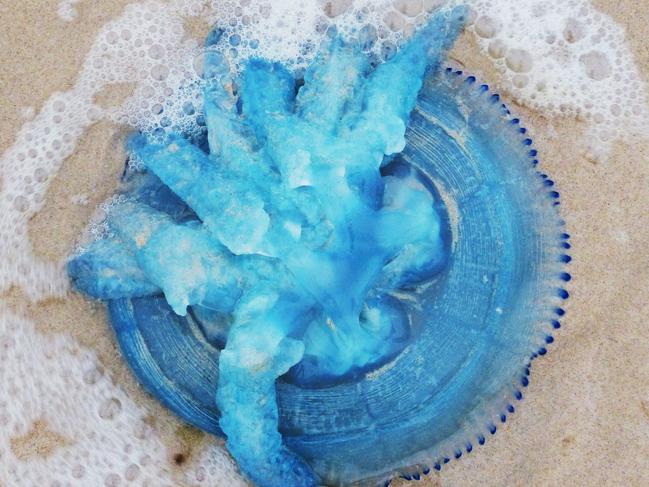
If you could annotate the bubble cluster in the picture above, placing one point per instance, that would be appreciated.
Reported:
(66, 10)
(566, 59)
(52, 381)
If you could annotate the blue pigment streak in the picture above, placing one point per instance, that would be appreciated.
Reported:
(297, 283)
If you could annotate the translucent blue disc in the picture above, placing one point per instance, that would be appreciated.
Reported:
(476, 325)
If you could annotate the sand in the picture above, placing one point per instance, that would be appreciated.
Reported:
(585, 419)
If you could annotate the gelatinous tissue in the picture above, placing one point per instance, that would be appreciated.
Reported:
(306, 243)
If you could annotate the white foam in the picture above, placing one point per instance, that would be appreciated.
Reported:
(66, 10)
(567, 60)
(106, 440)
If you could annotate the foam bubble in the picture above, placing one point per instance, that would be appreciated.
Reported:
(519, 60)
(66, 10)
(487, 27)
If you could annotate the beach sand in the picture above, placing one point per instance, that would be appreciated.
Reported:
(585, 417)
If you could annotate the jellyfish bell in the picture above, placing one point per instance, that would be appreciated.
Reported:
(464, 324)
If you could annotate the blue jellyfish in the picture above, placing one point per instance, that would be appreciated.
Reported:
(349, 277)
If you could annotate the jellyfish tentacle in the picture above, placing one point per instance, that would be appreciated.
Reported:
(392, 88)
(226, 134)
(331, 83)
(183, 260)
(230, 210)
(231, 138)
(136, 223)
(267, 93)
(259, 350)
(157, 254)
(108, 269)
(145, 187)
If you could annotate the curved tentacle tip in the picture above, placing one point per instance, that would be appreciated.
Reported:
(331, 243)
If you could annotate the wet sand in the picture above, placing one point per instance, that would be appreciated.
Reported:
(585, 418)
